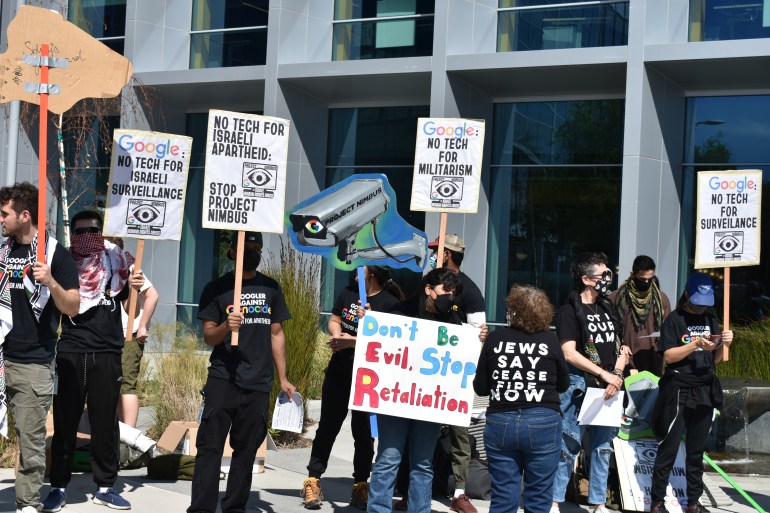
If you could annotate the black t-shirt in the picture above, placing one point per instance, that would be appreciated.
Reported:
(679, 329)
(249, 364)
(470, 299)
(601, 330)
(97, 330)
(518, 370)
(32, 341)
(346, 307)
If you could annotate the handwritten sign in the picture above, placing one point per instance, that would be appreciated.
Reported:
(148, 181)
(414, 368)
(245, 181)
(728, 220)
(447, 165)
(93, 70)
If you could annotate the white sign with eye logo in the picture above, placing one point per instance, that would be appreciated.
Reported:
(148, 184)
(447, 165)
(727, 233)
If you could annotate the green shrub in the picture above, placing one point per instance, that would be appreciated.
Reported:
(8, 445)
(321, 359)
(749, 352)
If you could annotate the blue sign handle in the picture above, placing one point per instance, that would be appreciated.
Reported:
(362, 286)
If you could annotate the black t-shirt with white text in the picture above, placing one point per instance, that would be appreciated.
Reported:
(97, 330)
(601, 330)
(249, 365)
(519, 370)
(346, 307)
(30, 340)
(680, 328)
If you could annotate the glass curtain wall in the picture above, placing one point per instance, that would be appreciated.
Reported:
(723, 133)
(103, 19)
(373, 140)
(228, 33)
(720, 20)
(555, 192)
(547, 25)
(381, 29)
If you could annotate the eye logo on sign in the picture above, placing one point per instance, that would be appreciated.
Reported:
(728, 245)
(446, 189)
(646, 453)
(145, 216)
(259, 180)
(314, 226)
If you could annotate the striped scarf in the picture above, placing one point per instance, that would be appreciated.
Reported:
(640, 304)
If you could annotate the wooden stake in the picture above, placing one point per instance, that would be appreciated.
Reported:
(42, 152)
(441, 237)
(726, 319)
(238, 280)
(133, 295)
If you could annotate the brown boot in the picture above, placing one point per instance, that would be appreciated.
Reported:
(462, 504)
(360, 496)
(311, 491)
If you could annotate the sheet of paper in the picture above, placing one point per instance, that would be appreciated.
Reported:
(288, 413)
(598, 412)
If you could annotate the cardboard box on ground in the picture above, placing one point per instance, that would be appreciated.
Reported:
(83, 439)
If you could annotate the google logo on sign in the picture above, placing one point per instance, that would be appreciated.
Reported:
(739, 185)
(457, 131)
(126, 142)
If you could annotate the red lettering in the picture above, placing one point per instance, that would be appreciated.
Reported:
(371, 352)
(366, 381)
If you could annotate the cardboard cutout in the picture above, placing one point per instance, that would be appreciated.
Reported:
(355, 223)
(92, 70)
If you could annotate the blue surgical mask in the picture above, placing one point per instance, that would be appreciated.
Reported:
(433, 260)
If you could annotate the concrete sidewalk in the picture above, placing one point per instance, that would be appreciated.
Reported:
(277, 490)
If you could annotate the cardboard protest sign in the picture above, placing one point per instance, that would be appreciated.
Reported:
(245, 181)
(91, 69)
(148, 183)
(635, 460)
(355, 223)
(728, 219)
(447, 165)
(414, 368)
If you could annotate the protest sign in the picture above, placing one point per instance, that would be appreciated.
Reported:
(635, 460)
(148, 183)
(728, 219)
(245, 181)
(447, 165)
(414, 368)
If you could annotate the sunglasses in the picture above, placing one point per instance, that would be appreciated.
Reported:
(606, 275)
(86, 229)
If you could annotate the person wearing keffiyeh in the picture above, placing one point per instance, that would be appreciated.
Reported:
(88, 363)
(33, 295)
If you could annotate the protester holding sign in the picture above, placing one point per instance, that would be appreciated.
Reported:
(689, 389)
(589, 331)
(522, 370)
(382, 294)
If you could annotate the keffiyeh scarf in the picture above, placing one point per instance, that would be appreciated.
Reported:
(37, 295)
(101, 265)
(641, 304)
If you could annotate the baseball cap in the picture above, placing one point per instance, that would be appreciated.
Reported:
(452, 241)
(700, 289)
(250, 237)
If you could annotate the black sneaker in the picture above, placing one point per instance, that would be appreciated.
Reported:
(696, 508)
(658, 507)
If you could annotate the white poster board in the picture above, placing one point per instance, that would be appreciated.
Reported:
(245, 181)
(447, 165)
(414, 368)
(148, 185)
(727, 233)
(635, 460)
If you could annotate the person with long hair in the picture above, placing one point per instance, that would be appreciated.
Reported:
(382, 294)
(523, 431)
(689, 390)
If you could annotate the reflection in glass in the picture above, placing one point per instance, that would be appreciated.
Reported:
(227, 49)
(383, 39)
(103, 19)
(720, 20)
(229, 14)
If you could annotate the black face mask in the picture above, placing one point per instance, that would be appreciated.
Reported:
(444, 303)
(251, 260)
(641, 285)
(602, 287)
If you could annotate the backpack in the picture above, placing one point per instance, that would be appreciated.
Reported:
(171, 467)
(478, 484)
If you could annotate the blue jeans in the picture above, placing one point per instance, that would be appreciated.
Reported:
(600, 445)
(524, 441)
(394, 432)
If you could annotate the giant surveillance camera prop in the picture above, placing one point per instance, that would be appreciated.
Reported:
(353, 223)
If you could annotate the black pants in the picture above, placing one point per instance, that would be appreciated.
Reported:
(334, 409)
(697, 423)
(242, 413)
(93, 379)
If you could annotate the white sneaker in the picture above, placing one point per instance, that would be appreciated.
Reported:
(554, 509)
(26, 509)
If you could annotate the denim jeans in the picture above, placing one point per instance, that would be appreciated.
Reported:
(600, 445)
(524, 441)
(394, 432)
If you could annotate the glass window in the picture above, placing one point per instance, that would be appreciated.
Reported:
(381, 29)
(103, 19)
(228, 33)
(719, 20)
(542, 153)
(728, 132)
(373, 140)
(546, 25)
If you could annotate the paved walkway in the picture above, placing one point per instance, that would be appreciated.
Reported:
(277, 490)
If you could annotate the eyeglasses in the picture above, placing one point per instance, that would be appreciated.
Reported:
(86, 229)
(606, 275)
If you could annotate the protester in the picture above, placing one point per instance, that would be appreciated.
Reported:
(689, 389)
(589, 331)
(133, 350)
(471, 304)
(642, 307)
(523, 422)
(441, 288)
(240, 378)
(88, 366)
(33, 295)
(382, 295)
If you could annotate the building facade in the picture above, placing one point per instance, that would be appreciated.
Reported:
(598, 116)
